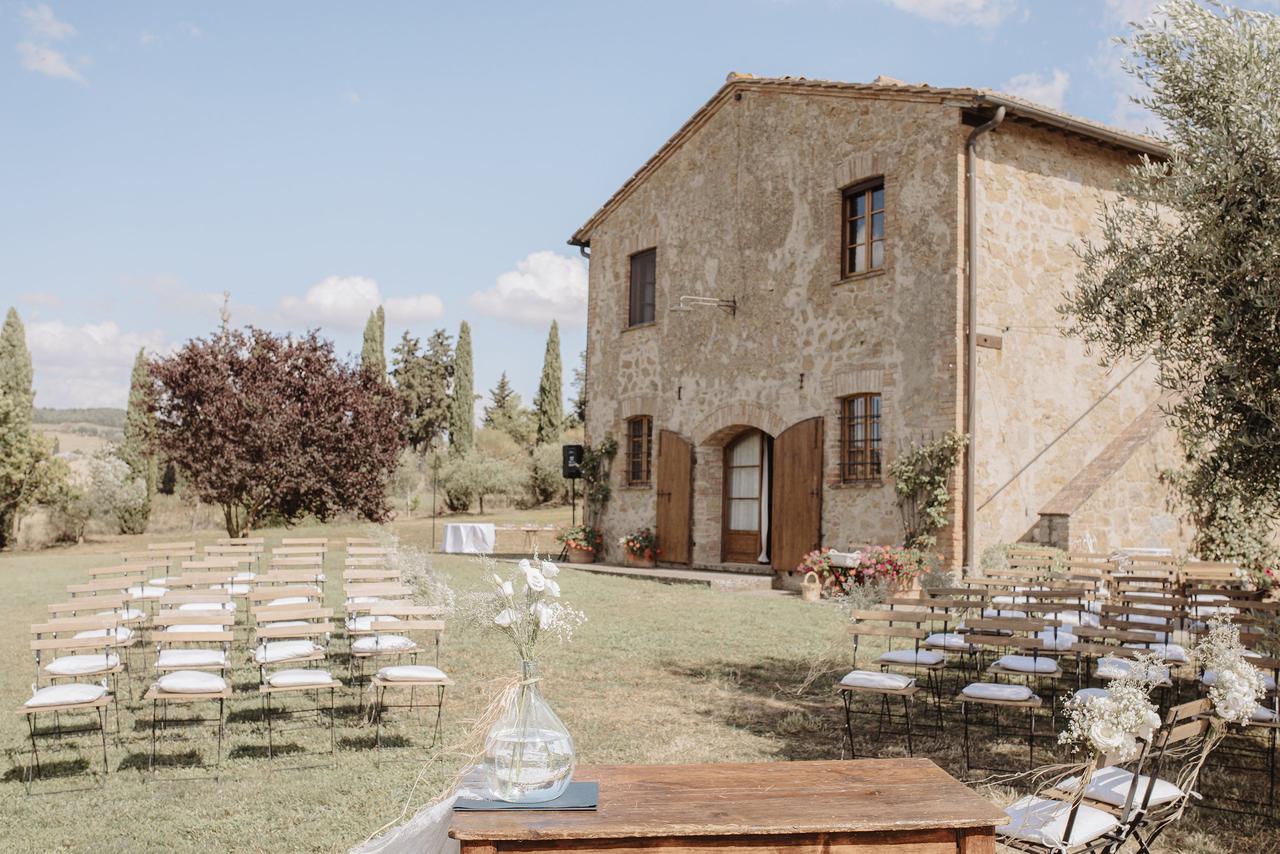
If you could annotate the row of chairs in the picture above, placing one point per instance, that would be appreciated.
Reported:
(190, 619)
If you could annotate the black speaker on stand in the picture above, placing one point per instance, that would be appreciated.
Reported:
(571, 470)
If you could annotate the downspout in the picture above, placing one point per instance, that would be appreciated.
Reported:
(971, 360)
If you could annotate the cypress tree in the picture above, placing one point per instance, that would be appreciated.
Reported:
(15, 365)
(135, 450)
(549, 404)
(462, 412)
(373, 354)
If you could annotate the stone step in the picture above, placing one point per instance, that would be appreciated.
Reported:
(714, 579)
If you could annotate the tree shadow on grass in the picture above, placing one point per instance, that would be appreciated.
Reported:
(370, 742)
(259, 751)
(769, 699)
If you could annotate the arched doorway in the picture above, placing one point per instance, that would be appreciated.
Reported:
(746, 501)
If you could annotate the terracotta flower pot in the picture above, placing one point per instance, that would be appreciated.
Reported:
(639, 562)
(581, 556)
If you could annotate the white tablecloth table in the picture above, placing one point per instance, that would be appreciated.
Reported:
(469, 538)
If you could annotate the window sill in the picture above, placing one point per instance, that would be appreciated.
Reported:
(633, 328)
(857, 484)
(636, 487)
(858, 277)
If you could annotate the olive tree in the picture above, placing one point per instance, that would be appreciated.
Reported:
(1187, 269)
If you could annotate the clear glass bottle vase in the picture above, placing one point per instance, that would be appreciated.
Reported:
(528, 753)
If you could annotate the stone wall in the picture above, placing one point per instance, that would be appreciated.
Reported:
(749, 208)
(1045, 407)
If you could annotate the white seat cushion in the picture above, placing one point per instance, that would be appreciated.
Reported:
(383, 643)
(411, 673)
(1115, 668)
(948, 640)
(1110, 785)
(191, 658)
(365, 600)
(57, 695)
(1210, 678)
(269, 653)
(163, 581)
(1044, 822)
(299, 676)
(1027, 664)
(1074, 618)
(284, 624)
(207, 606)
(244, 576)
(1003, 612)
(924, 657)
(123, 614)
(146, 591)
(233, 589)
(122, 633)
(368, 623)
(1091, 693)
(185, 628)
(288, 600)
(80, 665)
(191, 682)
(1146, 620)
(877, 680)
(994, 691)
(1058, 639)
(1164, 651)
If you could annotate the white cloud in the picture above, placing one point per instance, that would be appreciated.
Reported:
(40, 299)
(1130, 11)
(46, 60)
(544, 286)
(978, 13)
(43, 24)
(1033, 86)
(147, 37)
(344, 302)
(87, 365)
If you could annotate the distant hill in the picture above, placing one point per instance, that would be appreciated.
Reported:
(103, 417)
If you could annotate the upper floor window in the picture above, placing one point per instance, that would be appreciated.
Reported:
(644, 279)
(862, 228)
(639, 442)
(860, 438)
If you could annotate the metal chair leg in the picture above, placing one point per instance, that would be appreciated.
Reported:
(102, 730)
(964, 713)
(848, 725)
(907, 703)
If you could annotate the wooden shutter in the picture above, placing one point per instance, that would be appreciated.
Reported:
(675, 498)
(796, 517)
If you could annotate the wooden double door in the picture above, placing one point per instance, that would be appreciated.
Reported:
(771, 499)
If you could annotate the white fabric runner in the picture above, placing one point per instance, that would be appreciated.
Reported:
(469, 538)
(427, 832)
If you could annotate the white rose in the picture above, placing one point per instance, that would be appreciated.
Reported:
(533, 577)
(508, 589)
(1105, 736)
(552, 588)
(524, 565)
(505, 618)
(549, 569)
(543, 613)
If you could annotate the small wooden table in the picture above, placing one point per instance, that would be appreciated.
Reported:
(866, 805)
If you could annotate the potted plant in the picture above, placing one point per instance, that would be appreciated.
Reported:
(582, 544)
(640, 548)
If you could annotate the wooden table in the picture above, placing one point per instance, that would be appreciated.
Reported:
(868, 805)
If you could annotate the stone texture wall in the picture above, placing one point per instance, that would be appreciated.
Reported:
(1045, 407)
(749, 208)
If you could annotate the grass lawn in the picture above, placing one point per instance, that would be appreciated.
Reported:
(658, 674)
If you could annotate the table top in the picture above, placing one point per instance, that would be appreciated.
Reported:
(475, 525)
(749, 799)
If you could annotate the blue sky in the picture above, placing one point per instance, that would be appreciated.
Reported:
(315, 158)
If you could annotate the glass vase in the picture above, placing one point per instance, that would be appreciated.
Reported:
(528, 753)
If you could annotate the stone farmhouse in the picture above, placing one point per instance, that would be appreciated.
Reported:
(810, 275)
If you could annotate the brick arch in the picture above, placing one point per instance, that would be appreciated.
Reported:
(726, 422)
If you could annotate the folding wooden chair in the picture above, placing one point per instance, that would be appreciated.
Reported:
(80, 650)
(884, 684)
(185, 688)
(393, 630)
(429, 679)
(78, 698)
(193, 640)
(293, 637)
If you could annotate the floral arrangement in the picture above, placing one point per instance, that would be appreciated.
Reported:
(584, 538)
(878, 565)
(1236, 685)
(641, 543)
(1114, 724)
(525, 607)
